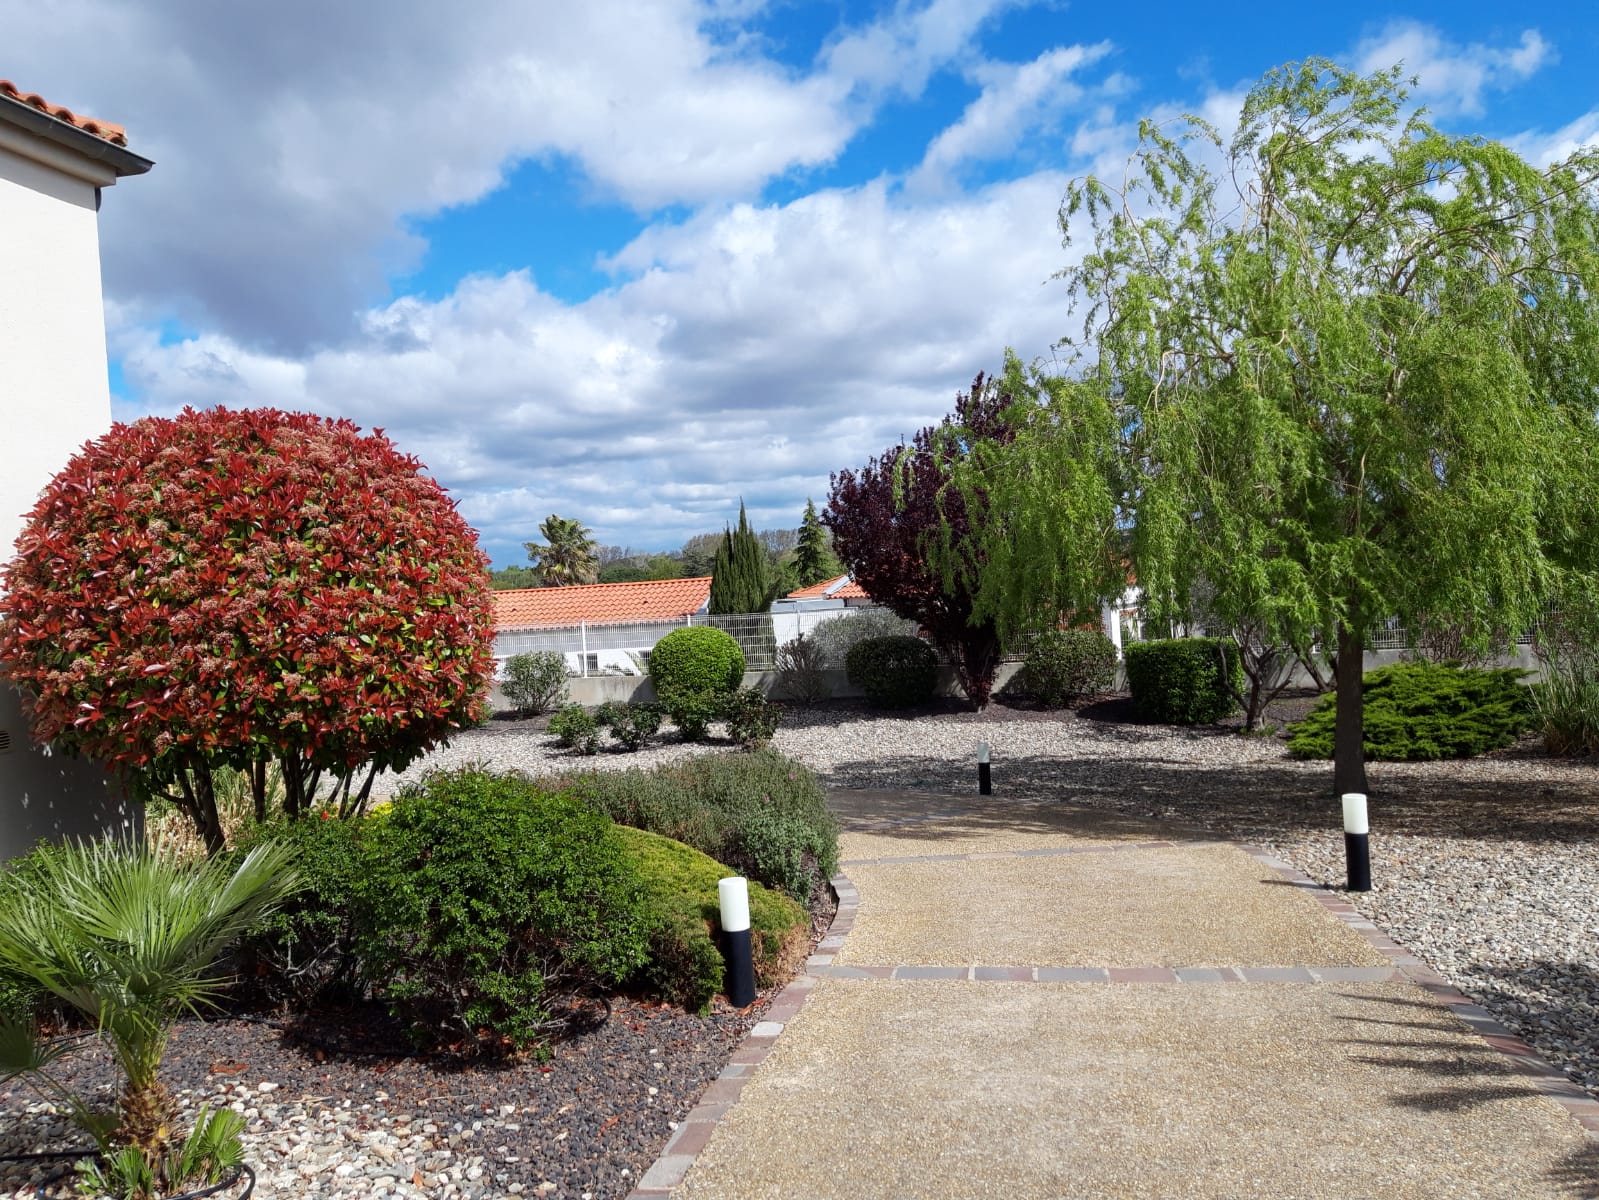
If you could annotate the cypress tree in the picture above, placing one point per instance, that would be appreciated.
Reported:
(741, 579)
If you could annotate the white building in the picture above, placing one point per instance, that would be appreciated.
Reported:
(54, 396)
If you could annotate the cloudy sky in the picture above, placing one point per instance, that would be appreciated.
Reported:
(631, 261)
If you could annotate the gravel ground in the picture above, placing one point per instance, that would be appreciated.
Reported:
(1487, 868)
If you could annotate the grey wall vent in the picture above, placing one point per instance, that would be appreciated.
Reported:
(5, 741)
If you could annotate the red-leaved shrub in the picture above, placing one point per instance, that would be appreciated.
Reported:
(226, 588)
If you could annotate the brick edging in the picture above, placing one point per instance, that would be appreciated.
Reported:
(1544, 1076)
(694, 1131)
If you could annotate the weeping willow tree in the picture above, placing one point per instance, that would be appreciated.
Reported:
(1340, 369)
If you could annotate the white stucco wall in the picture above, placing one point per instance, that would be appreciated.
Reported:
(54, 396)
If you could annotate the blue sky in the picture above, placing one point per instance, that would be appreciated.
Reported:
(630, 262)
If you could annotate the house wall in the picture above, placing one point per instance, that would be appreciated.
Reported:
(54, 396)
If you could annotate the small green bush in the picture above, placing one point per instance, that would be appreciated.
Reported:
(1067, 665)
(635, 724)
(685, 964)
(696, 660)
(761, 813)
(693, 712)
(1415, 711)
(894, 672)
(305, 951)
(483, 893)
(751, 719)
(21, 998)
(1183, 681)
(536, 682)
(575, 728)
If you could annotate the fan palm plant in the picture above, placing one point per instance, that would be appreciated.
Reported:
(130, 938)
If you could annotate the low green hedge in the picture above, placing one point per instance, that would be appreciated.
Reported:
(685, 963)
(1421, 711)
(761, 813)
(894, 671)
(1183, 681)
(1066, 665)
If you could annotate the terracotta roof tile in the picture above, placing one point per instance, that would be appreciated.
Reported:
(114, 134)
(840, 587)
(601, 603)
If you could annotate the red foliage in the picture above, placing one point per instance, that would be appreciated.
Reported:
(883, 537)
(233, 586)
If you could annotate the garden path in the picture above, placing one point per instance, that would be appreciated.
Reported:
(1032, 1000)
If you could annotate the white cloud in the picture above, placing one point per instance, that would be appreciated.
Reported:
(1451, 78)
(1015, 99)
(1542, 148)
(755, 350)
(900, 52)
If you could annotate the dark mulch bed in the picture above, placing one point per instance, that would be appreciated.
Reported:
(591, 1118)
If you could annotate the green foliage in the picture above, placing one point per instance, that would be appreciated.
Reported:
(685, 964)
(1426, 711)
(575, 728)
(696, 658)
(894, 672)
(1568, 703)
(1343, 368)
(835, 636)
(1184, 681)
(751, 718)
(214, 1147)
(1066, 665)
(814, 560)
(482, 893)
(801, 671)
(304, 950)
(535, 682)
(693, 712)
(567, 554)
(511, 578)
(761, 813)
(635, 724)
(742, 579)
(130, 939)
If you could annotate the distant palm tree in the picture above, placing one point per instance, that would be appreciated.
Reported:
(567, 554)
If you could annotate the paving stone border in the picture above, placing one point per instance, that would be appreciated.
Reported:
(694, 1131)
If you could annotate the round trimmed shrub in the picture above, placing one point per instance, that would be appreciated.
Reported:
(1184, 681)
(229, 587)
(1422, 711)
(894, 672)
(483, 894)
(1065, 665)
(696, 660)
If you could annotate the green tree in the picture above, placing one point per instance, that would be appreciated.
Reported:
(508, 578)
(698, 554)
(742, 580)
(1346, 373)
(814, 559)
(566, 556)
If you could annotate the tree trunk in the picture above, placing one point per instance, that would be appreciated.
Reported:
(1349, 741)
(205, 803)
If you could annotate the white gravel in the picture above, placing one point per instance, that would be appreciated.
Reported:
(1485, 868)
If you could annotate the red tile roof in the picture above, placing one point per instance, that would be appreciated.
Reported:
(601, 603)
(840, 587)
(114, 134)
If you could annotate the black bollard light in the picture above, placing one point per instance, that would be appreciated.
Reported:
(734, 895)
(1357, 841)
(985, 781)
